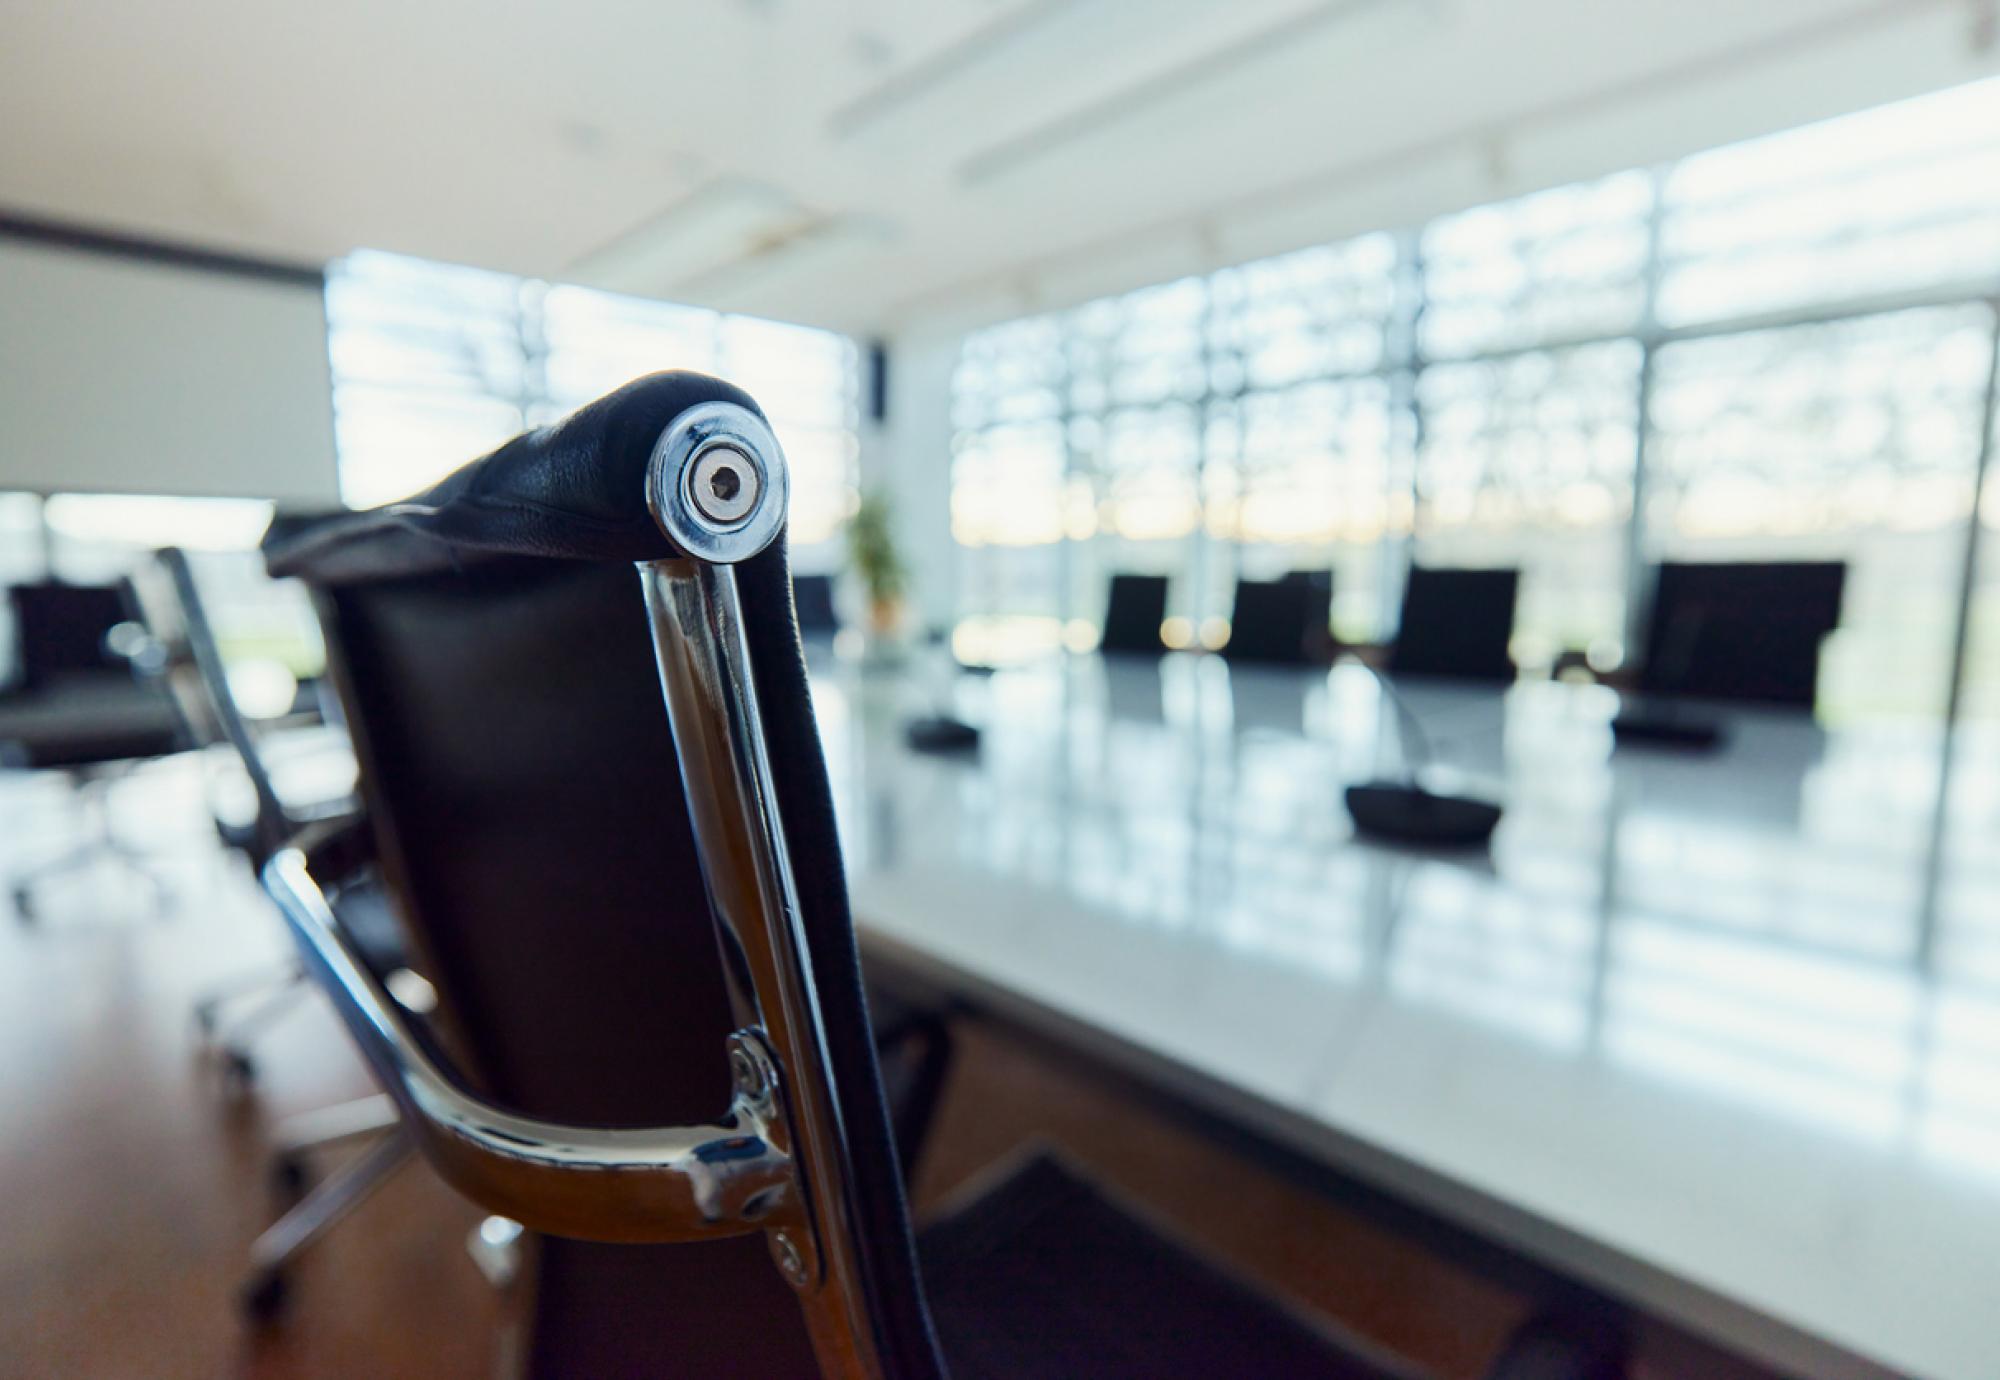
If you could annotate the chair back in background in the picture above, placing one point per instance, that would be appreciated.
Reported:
(531, 813)
(60, 630)
(1134, 608)
(1748, 631)
(1456, 623)
(1282, 621)
(812, 599)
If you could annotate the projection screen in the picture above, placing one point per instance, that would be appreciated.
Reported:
(120, 374)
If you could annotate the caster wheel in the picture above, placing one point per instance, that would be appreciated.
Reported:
(289, 1176)
(264, 1296)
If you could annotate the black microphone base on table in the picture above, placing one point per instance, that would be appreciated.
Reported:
(1397, 812)
(940, 733)
(1667, 729)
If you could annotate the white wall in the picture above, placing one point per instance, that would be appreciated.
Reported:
(126, 376)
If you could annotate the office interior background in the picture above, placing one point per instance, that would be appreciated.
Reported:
(1083, 290)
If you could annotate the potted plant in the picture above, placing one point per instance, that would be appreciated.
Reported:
(871, 549)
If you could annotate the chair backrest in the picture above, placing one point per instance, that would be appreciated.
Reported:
(1134, 608)
(61, 629)
(1456, 623)
(812, 597)
(1741, 631)
(500, 662)
(1283, 621)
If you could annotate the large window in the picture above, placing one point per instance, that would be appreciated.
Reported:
(1526, 461)
(434, 365)
(1776, 350)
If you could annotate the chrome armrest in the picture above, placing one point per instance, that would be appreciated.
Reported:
(669, 1183)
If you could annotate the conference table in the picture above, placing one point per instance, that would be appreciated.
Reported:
(1715, 1035)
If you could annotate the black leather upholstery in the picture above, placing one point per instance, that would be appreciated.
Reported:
(812, 597)
(516, 762)
(1134, 608)
(1741, 631)
(1456, 623)
(575, 490)
(492, 651)
(87, 720)
(805, 806)
(59, 629)
(1282, 621)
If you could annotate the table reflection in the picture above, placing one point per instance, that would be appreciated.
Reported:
(1745, 925)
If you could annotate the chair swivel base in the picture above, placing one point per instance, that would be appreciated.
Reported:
(265, 1290)
(98, 845)
(259, 1002)
(86, 857)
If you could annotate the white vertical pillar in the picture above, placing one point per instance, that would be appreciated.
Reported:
(908, 456)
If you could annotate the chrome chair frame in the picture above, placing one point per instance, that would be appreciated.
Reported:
(184, 656)
(773, 1161)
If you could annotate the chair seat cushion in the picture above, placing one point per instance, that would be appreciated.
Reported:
(86, 719)
(1045, 1276)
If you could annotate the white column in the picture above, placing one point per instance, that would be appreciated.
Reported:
(908, 456)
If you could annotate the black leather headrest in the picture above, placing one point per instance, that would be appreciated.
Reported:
(575, 490)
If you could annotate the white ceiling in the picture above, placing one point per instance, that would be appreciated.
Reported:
(878, 165)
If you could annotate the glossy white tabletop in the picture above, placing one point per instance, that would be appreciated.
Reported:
(1672, 1037)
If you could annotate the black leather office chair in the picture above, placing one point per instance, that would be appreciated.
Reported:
(1134, 608)
(1456, 623)
(75, 705)
(1749, 631)
(636, 919)
(1284, 621)
(812, 596)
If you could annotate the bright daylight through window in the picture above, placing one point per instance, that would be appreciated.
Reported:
(1774, 350)
(435, 364)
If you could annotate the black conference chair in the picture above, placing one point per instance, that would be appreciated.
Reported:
(1749, 631)
(1134, 608)
(76, 705)
(1456, 623)
(1285, 621)
(812, 596)
(636, 919)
